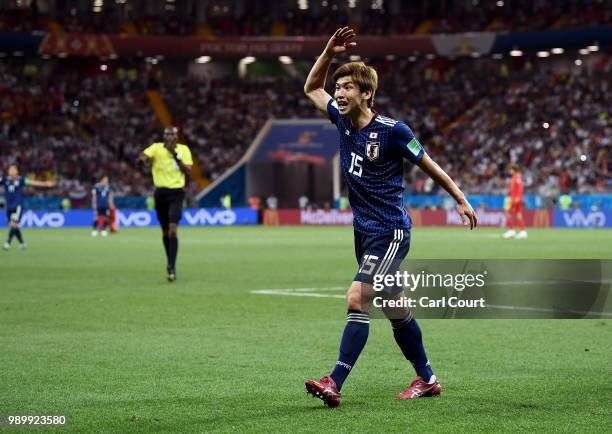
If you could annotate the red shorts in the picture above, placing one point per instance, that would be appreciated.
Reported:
(516, 208)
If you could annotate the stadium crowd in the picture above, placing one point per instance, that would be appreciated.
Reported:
(75, 127)
(235, 112)
(554, 124)
(474, 115)
(259, 18)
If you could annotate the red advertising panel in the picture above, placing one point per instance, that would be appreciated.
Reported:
(319, 217)
(75, 44)
(487, 218)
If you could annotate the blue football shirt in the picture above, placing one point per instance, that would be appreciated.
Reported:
(372, 162)
(13, 191)
(102, 193)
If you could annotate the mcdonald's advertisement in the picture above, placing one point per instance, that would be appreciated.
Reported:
(486, 217)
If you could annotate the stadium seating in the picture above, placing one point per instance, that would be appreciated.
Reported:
(74, 126)
(473, 115)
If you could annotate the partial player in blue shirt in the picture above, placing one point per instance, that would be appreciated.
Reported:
(101, 202)
(13, 186)
(373, 148)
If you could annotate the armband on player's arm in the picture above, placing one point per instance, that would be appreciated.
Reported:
(405, 144)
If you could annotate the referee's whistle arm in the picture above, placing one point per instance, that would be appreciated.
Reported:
(184, 168)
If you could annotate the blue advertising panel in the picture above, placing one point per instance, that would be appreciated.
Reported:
(234, 184)
(315, 142)
(532, 201)
(136, 218)
(582, 218)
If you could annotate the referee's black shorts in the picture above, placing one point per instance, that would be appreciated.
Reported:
(169, 205)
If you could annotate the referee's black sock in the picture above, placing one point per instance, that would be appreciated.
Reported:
(172, 251)
(167, 248)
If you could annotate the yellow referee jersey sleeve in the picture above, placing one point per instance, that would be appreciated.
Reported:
(166, 172)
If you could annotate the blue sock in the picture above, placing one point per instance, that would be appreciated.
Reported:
(408, 336)
(353, 340)
(10, 235)
(18, 235)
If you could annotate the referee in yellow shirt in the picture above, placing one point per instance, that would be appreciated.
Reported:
(171, 164)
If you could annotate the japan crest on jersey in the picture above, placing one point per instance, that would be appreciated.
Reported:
(372, 150)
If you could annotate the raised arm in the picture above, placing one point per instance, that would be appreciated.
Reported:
(435, 172)
(315, 82)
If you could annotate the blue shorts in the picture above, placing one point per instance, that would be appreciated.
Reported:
(380, 254)
(14, 214)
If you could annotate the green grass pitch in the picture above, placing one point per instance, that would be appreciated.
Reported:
(90, 329)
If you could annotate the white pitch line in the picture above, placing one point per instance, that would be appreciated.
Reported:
(546, 310)
(302, 292)
(310, 292)
(298, 294)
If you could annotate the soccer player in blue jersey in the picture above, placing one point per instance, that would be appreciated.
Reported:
(13, 190)
(373, 148)
(101, 202)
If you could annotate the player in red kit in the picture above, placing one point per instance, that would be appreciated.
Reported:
(516, 204)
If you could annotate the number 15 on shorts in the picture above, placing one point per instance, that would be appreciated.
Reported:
(368, 264)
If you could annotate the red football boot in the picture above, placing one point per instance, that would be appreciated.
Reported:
(420, 389)
(325, 389)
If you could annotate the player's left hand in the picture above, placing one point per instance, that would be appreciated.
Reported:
(467, 214)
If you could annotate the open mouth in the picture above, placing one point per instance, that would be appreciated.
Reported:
(342, 104)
